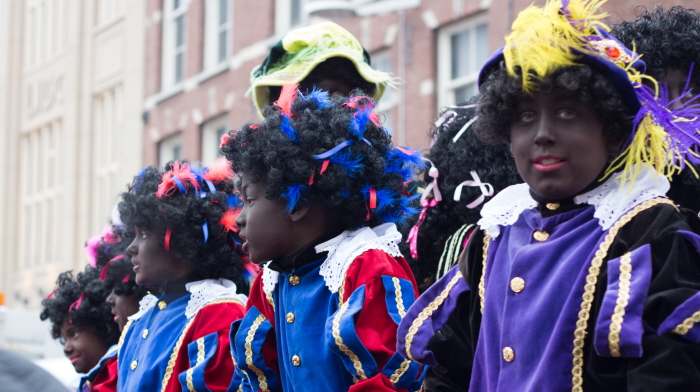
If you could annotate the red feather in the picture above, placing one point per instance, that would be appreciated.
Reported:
(228, 220)
(180, 170)
(220, 171)
(287, 96)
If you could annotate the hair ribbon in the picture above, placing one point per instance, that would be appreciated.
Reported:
(486, 190)
(168, 233)
(413, 234)
(433, 186)
(103, 275)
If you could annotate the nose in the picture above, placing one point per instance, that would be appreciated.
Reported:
(545, 135)
(111, 300)
(132, 249)
(67, 348)
(240, 219)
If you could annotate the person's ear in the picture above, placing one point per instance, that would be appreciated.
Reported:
(299, 213)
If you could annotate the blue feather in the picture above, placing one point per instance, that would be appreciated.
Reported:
(351, 164)
(345, 194)
(294, 193)
(359, 122)
(234, 202)
(287, 128)
(317, 97)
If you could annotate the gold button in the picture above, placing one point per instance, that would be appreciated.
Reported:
(162, 305)
(296, 361)
(517, 284)
(540, 235)
(290, 317)
(552, 206)
(134, 363)
(144, 334)
(508, 354)
(294, 280)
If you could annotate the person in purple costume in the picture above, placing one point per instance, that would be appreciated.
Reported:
(585, 277)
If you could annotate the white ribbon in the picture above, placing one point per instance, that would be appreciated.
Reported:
(486, 190)
(464, 129)
(433, 186)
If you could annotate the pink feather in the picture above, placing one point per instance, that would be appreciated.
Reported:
(182, 171)
(91, 249)
(228, 220)
(220, 171)
(287, 96)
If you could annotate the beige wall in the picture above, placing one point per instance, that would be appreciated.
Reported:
(72, 85)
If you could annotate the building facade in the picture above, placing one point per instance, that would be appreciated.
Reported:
(71, 99)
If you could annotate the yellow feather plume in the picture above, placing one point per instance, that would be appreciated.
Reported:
(542, 38)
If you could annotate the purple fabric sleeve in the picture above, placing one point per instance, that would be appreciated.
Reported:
(632, 326)
(680, 314)
(446, 287)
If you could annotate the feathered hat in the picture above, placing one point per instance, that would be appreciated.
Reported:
(567, 33)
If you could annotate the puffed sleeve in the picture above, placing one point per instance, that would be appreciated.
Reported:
(211, 366)
(376, 293)
(253, 344)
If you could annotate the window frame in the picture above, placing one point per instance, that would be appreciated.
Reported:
(170, 50)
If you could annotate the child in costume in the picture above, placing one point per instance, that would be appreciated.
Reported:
(669, 43)
(464, 173)
(324, 55)
(323, 189)
(585, 277)
(80, 318)
(182, 219)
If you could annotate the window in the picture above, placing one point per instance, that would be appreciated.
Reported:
(217, 40)
(381, 61)
(170, 149)
(462, 50)
(40, 184)
(174, 42)
(289, 14)
(44, 28)
(108, 128)
(107, 10)
(212, 131)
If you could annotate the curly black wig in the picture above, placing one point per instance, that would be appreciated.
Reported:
(197, 206)
(665, 39)
(327, 151)
(81, 301)
(334, 68)
(500, 93)
(455, 160)
(114, 262)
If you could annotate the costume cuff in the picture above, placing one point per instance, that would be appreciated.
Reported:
(200, 352)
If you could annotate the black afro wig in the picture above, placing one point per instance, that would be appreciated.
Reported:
(665, 39)
(330, 152)
(454, 162)
(81, 301)
(114, 262)
(197, 206)
(500, 93)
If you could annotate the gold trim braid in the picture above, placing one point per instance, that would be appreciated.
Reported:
(339, 342)
(399, 297)
(427, 312)
(200, 359)
(482, 280)
(400, 371)
(262, 380)
(589, 288)
(687, 324)
(623, 296)
(124, 331)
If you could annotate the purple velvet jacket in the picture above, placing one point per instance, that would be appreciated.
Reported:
(562, 304)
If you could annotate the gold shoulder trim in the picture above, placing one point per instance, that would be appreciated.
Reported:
(399, 297)
(200, 359)
(176, 350)
(262, 380)
(623, 296)
(339, 342)
(123, 335)
(589, 288)
(482, 281)
(427, 312)
(687, 324)
(270, 300)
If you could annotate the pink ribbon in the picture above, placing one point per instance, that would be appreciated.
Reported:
(486, 190)
(433, 186)
(413, 234)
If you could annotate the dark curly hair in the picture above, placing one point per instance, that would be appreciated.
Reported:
(155, 202)
(500, 92)
(665, 39)
(92, 313)
(454, 161)
(281, 149)
(111, 254)
(668, 39)
(334, 68)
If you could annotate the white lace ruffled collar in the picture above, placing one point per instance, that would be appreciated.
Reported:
(342, 251)
(611, 201)
(202, 293)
